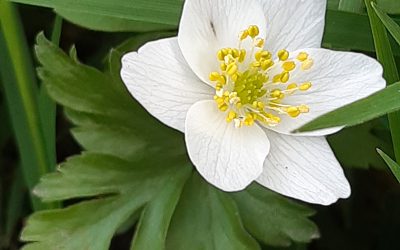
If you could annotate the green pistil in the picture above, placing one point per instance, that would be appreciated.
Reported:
(249, 86)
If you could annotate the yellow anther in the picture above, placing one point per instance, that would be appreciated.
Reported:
(235, 53)
(266, 64)
(214, 76)
(292, 86)
(256, 64)
(231, 115)
(293, 111)
(249, 120)
(223, 66)
(260, 105)
(276, 78)
(285, 77)
(289, 66)
(234, 77)
(242, 55)
(277, 93)
(239, 105)
(221, 55)
(259, 42)
(253, 31)
(223, 107)
(231, 69)
(262, 54)
(283, 55)
(305, 86)
(307, 64)
(243, 35)
(304, 108)
(302, 56)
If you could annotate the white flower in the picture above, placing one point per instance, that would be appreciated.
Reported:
(240, 76)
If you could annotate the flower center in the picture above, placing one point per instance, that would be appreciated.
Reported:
(252, 85)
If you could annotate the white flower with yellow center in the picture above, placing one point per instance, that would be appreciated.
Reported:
(240, 76)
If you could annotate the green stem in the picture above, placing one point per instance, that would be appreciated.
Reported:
(21, 93)
(386, 58)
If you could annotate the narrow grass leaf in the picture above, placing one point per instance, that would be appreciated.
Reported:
(391, 163)
(390, 6)
(378, 104)
(355, 6)
(389, 23)
(386, 58)
(21, 94)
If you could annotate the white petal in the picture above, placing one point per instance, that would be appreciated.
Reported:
(209, 25)
(304, 168)
(229, 158)
(294, 24)
(160, 79)
(338, 78)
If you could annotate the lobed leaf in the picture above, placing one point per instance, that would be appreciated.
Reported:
(207, 218)
(261, 210)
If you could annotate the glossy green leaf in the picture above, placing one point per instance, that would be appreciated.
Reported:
(392, 164)
(261, 210)
(207, 218)
(378, 104)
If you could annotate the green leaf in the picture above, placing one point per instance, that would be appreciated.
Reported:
(207, 218)
(21, 94)
(390, 6)
(108, 23)
(153, 225)
(355, 147)
(156, 11)
(378, 104)
(389, 23)
(131, 185)
(391, 163)
(262, 210)
(386, 58)
(351, 5)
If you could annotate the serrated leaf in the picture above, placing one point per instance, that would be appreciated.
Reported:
(207, 218)
(378, 104)
(394, 167)
(88, 225)
(154, 222)
(131, 184)
(261, 210)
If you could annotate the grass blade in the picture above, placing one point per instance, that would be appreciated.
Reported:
(378, 104)
(389, 23)
(385, 56)
(391, 163)
(21, 94)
